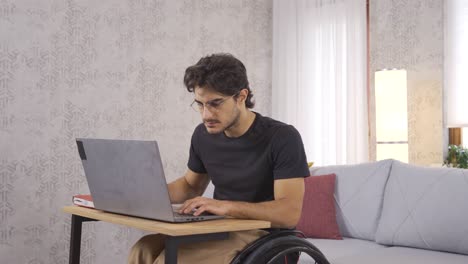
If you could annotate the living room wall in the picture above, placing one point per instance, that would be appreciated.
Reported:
(409, 34)
(107, 69)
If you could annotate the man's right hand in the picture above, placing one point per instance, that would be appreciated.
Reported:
(191, 185)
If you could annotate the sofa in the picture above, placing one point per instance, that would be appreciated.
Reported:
(393, 212)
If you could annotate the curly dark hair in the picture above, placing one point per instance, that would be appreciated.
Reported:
(220, 72)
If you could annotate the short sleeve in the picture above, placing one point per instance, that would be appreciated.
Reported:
(195, 163)
(288, 155)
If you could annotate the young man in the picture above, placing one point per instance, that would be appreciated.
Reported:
(256, 164)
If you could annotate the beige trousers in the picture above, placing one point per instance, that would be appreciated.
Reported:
(150, 249)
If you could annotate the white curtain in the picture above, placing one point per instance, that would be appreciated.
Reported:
(319, 76)
(456, 62)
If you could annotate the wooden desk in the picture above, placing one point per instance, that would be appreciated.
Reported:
(179, 233)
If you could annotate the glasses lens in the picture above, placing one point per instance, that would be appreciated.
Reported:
(196, 107)
(214, 105)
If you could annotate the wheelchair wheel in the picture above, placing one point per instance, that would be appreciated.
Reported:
(275, 250)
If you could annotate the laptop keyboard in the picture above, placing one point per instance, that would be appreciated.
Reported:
(175, 210)
(177, 214)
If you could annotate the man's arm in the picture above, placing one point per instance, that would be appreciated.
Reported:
(283, 212)
(191, 185)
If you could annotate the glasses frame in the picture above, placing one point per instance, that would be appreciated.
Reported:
(213, 105)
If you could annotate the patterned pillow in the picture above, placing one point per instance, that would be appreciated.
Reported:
(359, 192)
(425, 208)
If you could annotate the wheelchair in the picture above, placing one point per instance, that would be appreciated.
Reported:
(279, 247)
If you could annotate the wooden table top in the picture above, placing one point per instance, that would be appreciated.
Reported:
(172, 229)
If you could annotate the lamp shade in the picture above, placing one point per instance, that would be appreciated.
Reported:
(456, 63)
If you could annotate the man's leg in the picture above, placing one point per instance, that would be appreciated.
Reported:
(147, 249)
(216, 251)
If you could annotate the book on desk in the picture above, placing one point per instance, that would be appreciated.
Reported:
(84, 200)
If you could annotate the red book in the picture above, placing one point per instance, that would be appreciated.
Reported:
(84, 200)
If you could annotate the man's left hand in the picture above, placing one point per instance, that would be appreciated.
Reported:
(201, 204)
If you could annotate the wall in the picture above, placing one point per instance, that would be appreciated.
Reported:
(408, 34)
(109, 69)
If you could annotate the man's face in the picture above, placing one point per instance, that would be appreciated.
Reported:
(219, 112)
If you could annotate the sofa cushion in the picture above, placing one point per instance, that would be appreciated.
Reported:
(335, 249)
(425, 208)
(318, 219)
(358, 196)
(402, 255)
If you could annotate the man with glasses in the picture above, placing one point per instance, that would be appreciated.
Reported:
(256, 164)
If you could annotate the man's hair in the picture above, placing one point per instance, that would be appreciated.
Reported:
(219, 72)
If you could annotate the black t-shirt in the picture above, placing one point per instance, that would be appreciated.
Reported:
(244, 168)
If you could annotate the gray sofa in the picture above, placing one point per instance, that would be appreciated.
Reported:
(393, 212)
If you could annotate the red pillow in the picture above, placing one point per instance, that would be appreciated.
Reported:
(318, 219)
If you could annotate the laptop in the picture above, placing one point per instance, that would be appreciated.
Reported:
(127, 177)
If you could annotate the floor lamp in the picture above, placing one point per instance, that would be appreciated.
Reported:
(456, 71)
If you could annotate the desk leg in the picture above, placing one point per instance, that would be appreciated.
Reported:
(173, 242)
(171, 250)
(75, 238)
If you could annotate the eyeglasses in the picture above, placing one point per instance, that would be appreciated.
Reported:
(213, 105)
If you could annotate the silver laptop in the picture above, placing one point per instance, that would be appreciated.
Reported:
(127, 177)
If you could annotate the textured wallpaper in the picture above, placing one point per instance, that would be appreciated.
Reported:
(109, 69)
(409, 34)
